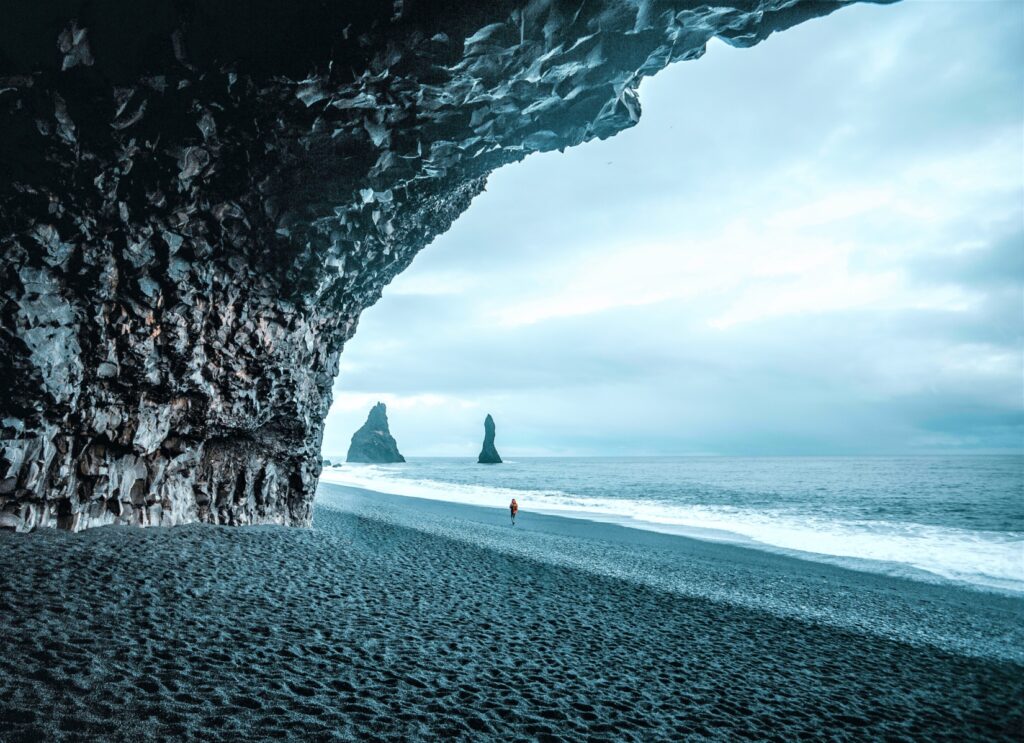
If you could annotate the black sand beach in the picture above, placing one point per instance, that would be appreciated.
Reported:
(401, 619)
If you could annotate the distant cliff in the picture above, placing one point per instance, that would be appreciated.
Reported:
(373, 443)
(488, 454)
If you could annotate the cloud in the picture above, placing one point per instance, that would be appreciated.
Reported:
(348, 402)
(812, 246)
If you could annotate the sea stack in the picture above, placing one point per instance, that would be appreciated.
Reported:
(489, 455)
(373, 443)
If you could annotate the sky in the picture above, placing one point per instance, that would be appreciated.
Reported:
(811, 247)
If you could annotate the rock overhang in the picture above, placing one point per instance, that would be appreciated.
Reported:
(197, 200)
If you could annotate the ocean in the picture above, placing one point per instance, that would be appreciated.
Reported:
(957, 518)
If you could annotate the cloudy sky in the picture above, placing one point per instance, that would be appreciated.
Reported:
(815, 246)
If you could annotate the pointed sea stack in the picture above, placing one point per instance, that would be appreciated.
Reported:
(373, 443)
(489, 455)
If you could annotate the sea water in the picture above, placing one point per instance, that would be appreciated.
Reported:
(959, 518)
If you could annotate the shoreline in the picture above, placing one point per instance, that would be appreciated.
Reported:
(983, 584)
(956, 617)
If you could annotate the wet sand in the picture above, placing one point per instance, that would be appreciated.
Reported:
(401, 619)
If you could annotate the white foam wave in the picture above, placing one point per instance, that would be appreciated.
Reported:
(989, 559)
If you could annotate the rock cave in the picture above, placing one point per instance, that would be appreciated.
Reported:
(198, 199)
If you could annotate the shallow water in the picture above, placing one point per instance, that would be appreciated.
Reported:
(956, 518)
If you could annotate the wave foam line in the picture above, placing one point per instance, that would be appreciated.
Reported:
(988, 559)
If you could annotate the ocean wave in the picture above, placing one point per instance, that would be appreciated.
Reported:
(981, 558)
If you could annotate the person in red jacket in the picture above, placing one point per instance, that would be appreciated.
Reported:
(513, 508)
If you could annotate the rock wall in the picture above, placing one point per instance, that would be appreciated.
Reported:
(198, 199)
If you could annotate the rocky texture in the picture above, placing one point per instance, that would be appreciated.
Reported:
(488, 454)
(373, 442)
(197, 200)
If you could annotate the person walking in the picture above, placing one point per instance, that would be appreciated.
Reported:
(513, 508)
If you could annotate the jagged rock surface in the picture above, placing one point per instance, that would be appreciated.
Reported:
(373, 442)
(197, 200)
(488, 454)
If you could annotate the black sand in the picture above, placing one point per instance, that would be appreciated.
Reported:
(405, 619)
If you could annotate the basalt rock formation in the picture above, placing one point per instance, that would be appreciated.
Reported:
(198, 199)
(488, 454)
(373, 442)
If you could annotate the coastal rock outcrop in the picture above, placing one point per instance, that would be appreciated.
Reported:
(488, 454)
(198, 200)
(373, 442)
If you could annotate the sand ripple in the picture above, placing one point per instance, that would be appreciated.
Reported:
(361, 628)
